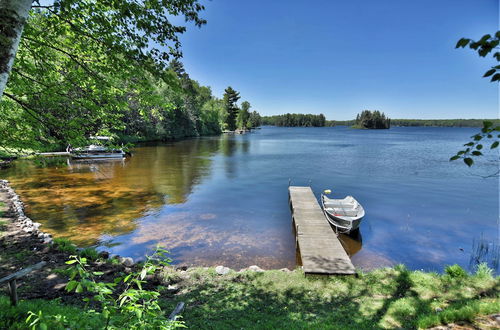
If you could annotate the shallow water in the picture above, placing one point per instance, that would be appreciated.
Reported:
(223, 200)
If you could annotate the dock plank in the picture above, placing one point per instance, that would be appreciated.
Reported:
(320, 249)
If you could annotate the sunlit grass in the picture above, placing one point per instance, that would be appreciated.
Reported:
(384, 298)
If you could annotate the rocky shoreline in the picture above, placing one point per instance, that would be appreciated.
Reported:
(20, 219)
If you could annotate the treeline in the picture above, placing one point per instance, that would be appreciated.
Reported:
(372, 120)
(295, 120)
(66, 86)
(443, 122)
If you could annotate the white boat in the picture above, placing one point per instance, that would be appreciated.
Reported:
(96, 152)
(345, 214)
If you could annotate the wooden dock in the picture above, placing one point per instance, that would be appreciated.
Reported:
(320, 250)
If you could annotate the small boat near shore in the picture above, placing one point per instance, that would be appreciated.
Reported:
(96, 152)
(345, 214)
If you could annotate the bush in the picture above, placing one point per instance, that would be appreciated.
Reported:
(455, 271)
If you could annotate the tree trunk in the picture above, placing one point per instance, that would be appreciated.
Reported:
(13, 15)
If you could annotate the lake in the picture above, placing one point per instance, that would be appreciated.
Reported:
(223, 200)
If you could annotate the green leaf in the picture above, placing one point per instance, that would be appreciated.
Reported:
(485, 38)
(462, 43)
(70, 262)
(479, 147)
(79, 288)
(42, 326)
(489, 73)
(468, 161)
(474, 45)
(477, 153)
(138, 312)
(494, 145)
(143, 273)
(495, 77)
(454, 158)
(71, 285)
(470, 144)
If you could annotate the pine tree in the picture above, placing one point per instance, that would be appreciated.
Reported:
(230, 98)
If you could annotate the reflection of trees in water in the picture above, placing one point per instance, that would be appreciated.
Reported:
(173, 169)
(83, 201)
(229, 146)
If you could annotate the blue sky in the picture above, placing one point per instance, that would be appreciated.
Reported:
(340, 57)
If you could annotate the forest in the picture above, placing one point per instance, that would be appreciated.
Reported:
(295, 120)
(72, 80)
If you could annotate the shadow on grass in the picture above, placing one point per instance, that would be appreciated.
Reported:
(256, 301)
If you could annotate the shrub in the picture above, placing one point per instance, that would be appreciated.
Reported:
(455, 271)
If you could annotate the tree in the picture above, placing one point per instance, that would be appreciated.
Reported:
(13, 16)
(243, 115)
(254, 119)
(135, 30)
(230, 98)
(372, 119)
(80, 63)
(483, 46)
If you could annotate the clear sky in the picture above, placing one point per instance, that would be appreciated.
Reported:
(338, 57)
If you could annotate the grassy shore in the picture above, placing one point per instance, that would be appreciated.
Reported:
(381, 299)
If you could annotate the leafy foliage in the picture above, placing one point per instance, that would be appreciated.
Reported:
(484, 46)
(124, 301)
(99, 68)
(474, 147)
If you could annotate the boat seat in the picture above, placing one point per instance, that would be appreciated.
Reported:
(349, 212)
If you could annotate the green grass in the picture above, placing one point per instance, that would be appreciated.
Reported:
(89, 253)
(65, 245)
(54, 315)
(381, 299)
(385, 298)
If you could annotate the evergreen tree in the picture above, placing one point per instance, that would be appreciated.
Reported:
(230, 98)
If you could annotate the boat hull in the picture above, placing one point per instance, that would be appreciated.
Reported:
(349, 225)
(98, 156)
(345, 222)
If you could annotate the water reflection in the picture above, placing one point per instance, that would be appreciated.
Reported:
(352, 242)
(85, 200)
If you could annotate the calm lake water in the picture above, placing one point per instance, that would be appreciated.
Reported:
(223, 200)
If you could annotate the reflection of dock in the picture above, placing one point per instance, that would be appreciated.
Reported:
(320, 250)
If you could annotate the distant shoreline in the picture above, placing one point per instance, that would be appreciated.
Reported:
(423, 122)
